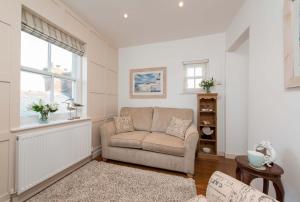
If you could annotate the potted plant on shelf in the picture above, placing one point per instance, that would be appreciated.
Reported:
(43, 110)
(207, 84)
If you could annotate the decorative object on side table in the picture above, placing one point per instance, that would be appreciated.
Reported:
(246, 173)
(207, 84)
(43, 110)
(263, 154)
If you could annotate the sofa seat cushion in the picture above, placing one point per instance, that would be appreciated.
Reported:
(163, 143)
(129, 140)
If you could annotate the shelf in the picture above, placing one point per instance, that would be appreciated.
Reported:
(207, 112)
(207, 140)
(202, 155)
(209, 125)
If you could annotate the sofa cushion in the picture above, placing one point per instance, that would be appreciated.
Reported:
(129, 140)
(163, 116)
(163, 143)
(141, 117)
(233, 190)
(123, 124)
(177, 127)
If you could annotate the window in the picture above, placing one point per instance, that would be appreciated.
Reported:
(195, 72)
(48, 72)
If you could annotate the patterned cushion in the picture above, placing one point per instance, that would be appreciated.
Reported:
(222, 187)
(177, 127)
(123, 124)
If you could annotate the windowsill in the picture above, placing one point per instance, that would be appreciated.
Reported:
(44, 125)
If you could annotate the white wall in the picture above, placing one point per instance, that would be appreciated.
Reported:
(273, 110)
(171, 54)
(237, 73)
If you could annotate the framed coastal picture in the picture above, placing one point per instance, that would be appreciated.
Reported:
(148, 82)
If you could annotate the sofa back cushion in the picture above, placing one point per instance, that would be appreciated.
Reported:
(141, 117)
(163, 116)
(123, 124)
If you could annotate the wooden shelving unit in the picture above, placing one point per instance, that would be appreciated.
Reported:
(207, 117)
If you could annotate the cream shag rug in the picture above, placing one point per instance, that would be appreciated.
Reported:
(99, 181)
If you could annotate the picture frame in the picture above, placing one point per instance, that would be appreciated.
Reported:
(291, 29)
(148, 83)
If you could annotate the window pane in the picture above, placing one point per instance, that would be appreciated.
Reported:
(33, 88)
(63, 90)
(190, 83)
(197, 83)
(198, 71)
(61, 61)
(190, 72)
(34, 52)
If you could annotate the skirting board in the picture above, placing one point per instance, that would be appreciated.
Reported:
(36, 189)
(230, 156)
(96, 152)
(5, 198)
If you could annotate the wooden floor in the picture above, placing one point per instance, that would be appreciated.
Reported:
(203, 170)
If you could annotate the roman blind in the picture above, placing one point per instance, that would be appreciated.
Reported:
(39, 27)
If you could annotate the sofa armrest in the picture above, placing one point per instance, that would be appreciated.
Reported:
(222, 187)
(106, 131)
(190, 144)
(191, 134)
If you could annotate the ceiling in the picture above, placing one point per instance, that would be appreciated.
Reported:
(152, 21)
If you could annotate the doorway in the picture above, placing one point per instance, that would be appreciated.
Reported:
(237, 80)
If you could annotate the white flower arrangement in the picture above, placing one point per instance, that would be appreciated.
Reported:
(43, 109)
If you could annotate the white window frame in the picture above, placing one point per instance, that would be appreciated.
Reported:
(77, 92)
(205, 75)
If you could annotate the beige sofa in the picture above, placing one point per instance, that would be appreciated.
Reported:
(223, 188)
(149, 145)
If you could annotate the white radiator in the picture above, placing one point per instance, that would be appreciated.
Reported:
(44, 153)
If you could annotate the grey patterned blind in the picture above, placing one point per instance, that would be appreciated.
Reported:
(37, 26)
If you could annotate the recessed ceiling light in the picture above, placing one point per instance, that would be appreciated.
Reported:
(180, 4)
(125, 15)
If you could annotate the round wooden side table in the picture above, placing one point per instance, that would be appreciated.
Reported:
(246, 173)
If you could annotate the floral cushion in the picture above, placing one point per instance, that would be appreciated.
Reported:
(123, 124)
(177, 127)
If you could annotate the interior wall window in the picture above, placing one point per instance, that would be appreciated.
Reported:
(48, 72)
(195, 72)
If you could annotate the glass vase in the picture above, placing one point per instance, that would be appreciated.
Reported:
(207, 90)
(43, 118)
